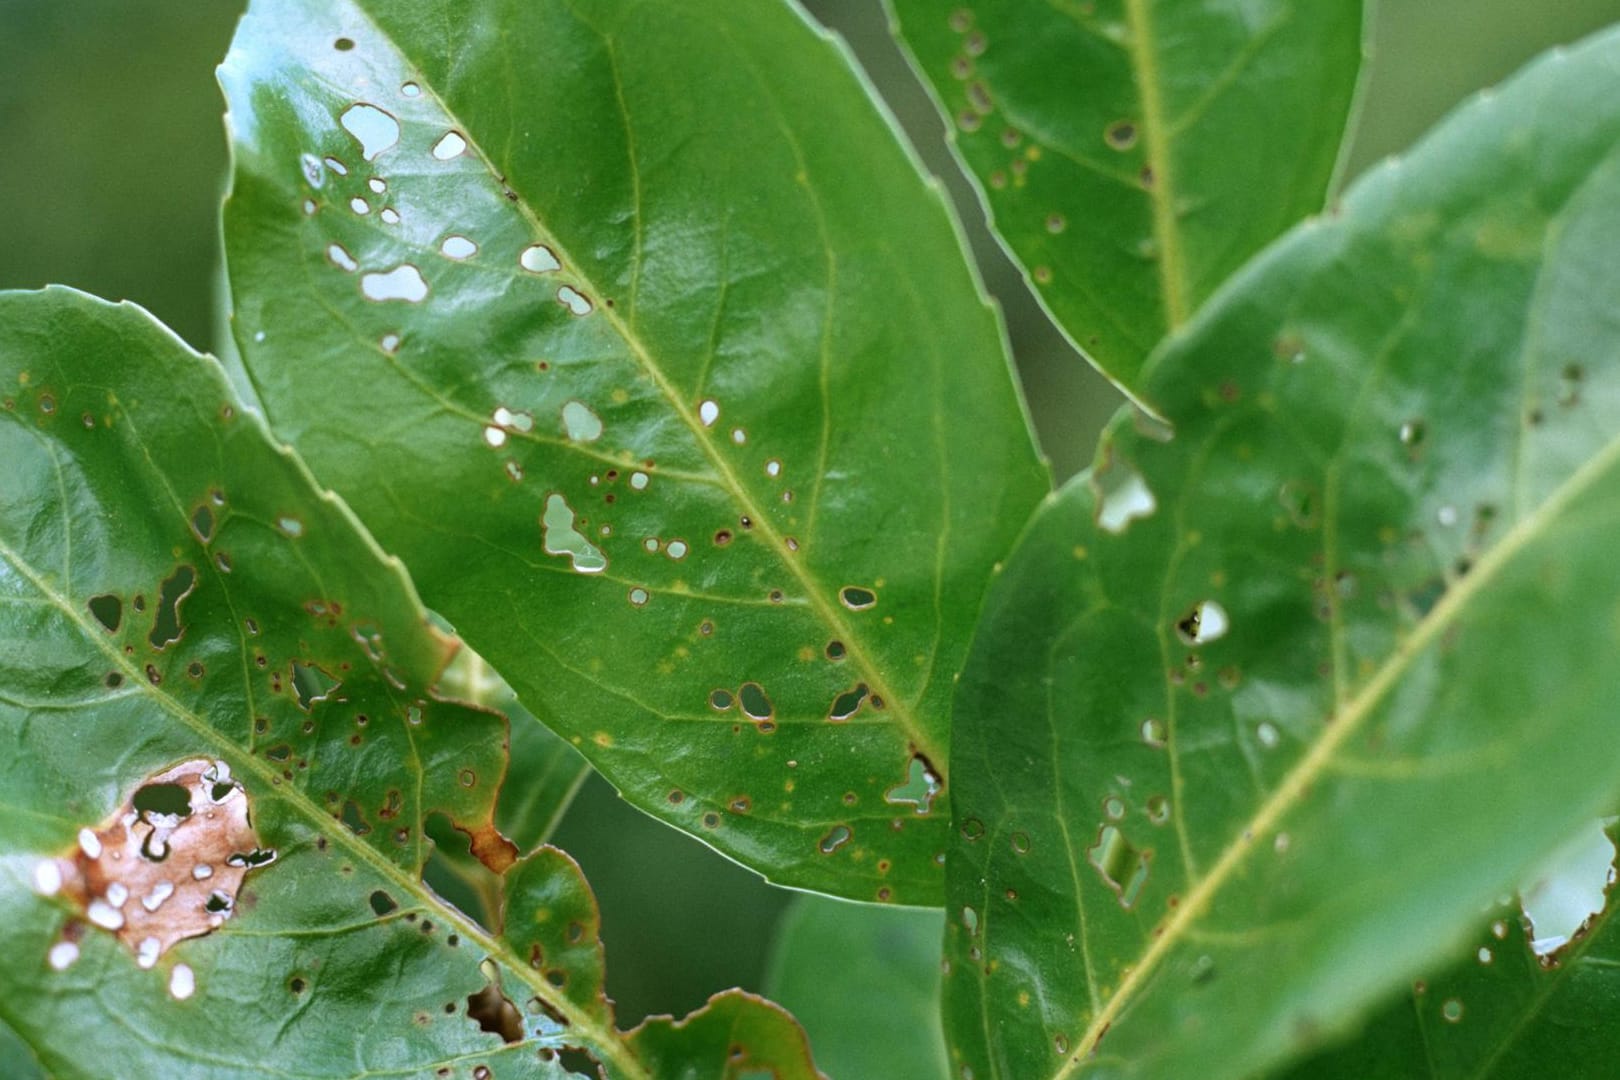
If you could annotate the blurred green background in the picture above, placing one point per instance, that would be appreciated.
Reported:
(112, 161)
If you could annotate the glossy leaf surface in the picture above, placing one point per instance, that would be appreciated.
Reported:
(1504, 1010)
(863, 981)
(175, 588)
(1265, 713)
(1134, 153)
(637, 333)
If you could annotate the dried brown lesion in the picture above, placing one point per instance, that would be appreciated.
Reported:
(166, 865)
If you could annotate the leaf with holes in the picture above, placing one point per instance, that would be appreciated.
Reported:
(1517, 1003)
(1314, 659)
(1133, 153)
(638, 333)
(864, 982)
(544, 773)
(225, 736)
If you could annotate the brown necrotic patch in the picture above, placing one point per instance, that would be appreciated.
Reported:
(166, 865)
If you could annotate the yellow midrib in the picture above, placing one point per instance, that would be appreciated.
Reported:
(607, 1042)
(1310, 767)
(898, 707)
(1162, 191)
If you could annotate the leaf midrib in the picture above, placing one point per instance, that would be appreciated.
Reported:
(604, 1041)
(1345, 725)
(1161, 192)
(900, 707)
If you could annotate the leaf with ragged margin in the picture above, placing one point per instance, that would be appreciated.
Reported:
(1202, 839)
(299, 659)
(1134, 153)
(734, 222)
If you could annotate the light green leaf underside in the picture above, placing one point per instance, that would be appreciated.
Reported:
(864, 982)
(740, 226)
(1396, 470)
(1497, 1013)
(128, 458)
(1134, 153)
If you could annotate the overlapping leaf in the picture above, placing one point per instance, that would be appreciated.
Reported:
(638, 334)
(175, 589)
(1508, 1008)
(1134, 153)
(1267, 710)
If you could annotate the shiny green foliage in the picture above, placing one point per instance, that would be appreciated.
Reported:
(640, 337)
(1507, 1008)
(864, 982)
(1312, 664)
(294, 662)
(1134, 153)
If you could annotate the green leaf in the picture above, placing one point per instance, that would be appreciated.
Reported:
(544, 774)
(1501, 1011)
(224, 736)
(1134, 153)
(737, 1035)
(1265, 711)
(864, 983)
(694, 489)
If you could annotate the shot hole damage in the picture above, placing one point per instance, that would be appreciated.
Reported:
(167, 865)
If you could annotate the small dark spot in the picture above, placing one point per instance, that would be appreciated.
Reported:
(835, 650)
(711, 820)
(343, 44)
(775, 596)
(113, 680)
(722, 538)
(1121, 135)
(677, 797)
(296, 985)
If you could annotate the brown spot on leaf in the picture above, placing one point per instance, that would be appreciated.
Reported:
(491, 848)
(170, 862)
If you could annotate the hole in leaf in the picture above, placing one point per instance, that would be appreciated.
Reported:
(375, 129)
(403, 282)
(580, 423)
(311, 684)
(493, 1010)
(920, 786)
(538, 259)
(1122, 496)
(848, 703)
(202, 523)
(756, 705)
(1123, 868)
(559, 537)
(166, 625)
(450, 145)
(1568, 891)
(1206, 622)
(856, 598)
(836, 838)
(108, 610)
